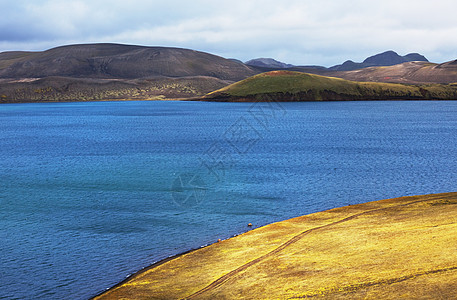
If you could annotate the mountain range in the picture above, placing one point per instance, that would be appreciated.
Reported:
(388, 58)
(416, 72)
(115, 71)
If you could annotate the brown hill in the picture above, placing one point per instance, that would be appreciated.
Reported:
(410, 72)
(119, 61)
(113, 71)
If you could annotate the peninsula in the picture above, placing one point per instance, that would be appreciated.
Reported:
(389, 249)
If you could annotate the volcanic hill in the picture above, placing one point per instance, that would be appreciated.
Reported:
(119, 61)
(114, 71)
(296, 86)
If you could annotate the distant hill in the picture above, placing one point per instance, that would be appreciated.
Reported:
(388, 58)
(119, 61)
(295, 86)
(268, 63)
(416, 72)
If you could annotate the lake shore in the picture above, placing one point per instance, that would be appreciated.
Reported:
(396, 248)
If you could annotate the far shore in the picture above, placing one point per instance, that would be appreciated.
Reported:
(201, 99)
(389, 249)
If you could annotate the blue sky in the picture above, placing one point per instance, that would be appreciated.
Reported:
(301, 32)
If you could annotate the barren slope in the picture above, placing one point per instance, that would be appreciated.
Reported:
(410, 72)
(119, 61)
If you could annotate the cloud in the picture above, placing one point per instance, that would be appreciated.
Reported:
(296, 31)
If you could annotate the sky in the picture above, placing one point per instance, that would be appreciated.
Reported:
(300, 32)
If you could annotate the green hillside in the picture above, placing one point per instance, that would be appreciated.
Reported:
(296, 86)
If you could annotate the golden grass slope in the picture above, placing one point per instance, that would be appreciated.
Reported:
(403, 248)
(296, 86)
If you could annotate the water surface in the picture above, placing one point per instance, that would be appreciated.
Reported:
(92, 192)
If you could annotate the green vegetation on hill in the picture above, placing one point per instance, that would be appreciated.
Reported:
(296, 86)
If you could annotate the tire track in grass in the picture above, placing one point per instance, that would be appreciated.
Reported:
(223, 279)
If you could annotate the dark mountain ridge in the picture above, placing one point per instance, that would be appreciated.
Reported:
(268, 63)
(388, 58)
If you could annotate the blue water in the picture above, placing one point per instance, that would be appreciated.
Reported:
(92, 192)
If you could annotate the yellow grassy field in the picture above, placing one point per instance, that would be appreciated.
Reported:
(404, 248)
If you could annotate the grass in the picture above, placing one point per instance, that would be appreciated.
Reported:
(401, 248)
(296, 86)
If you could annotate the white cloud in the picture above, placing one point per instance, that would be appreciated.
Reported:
(322, 32)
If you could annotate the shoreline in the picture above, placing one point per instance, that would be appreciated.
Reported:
(202, 252)
(219, 101)
(163, 261)
(147, 268)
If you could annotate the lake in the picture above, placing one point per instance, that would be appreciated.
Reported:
(93, 192)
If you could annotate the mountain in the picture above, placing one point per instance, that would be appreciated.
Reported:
(296, 86)
(94, 72)
(388, 58)
(415, 57)
(119, 61)
(415, 72)
(267, 63)
(347, 66)
(112, 71)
